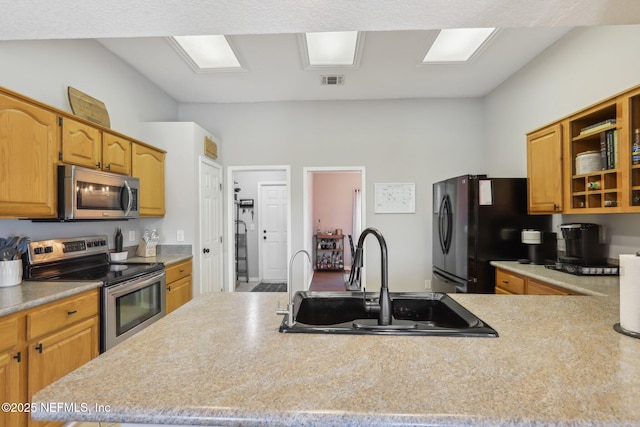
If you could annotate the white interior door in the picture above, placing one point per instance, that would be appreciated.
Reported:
(273, 231)
(210, 241)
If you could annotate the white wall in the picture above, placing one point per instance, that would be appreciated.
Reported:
(584, 67)
(42, 70)
(421, 141)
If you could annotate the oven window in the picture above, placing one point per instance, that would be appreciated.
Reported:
(136, 307)
(98, 196)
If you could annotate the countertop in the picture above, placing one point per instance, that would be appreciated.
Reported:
(220, 360)
(164, 259)
(30, 294)
(586, 285)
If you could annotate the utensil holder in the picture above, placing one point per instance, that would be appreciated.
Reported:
(10, 273)
(146, 249)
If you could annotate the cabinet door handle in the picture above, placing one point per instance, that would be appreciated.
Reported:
(69, 313)
(168, 288)
(505, 281)
(18, 357)
(181, 271)
(39, 348)
(98, 165)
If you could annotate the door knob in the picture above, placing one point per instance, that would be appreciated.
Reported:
(264, 238)
(264, 231)
(205, 250)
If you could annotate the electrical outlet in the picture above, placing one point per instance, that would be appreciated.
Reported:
(132, 235)
(180, 236)
(427, 284)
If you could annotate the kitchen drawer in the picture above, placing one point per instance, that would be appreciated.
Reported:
(9, 332)
(59, 314)
(178, 271)
(537, 288)
(509, 282)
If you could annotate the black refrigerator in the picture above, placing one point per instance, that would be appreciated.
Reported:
(477, 220)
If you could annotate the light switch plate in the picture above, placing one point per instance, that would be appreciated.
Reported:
(180, 236)
(132, 235)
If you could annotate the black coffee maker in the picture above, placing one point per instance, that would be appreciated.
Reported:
(582, 244)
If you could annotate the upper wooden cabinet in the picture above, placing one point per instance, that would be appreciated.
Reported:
(147, 164)
(81, 144)
(87, 146)
(544, 170)
(597, 155)
(29, 144)
(35, 138)
(596, 173)
(116, 154)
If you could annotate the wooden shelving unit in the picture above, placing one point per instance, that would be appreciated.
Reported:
(598, 190)
(329, 252)
(612, 188)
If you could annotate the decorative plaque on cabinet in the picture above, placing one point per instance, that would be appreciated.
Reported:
(87, 107)
(210, 148)
(395, 198)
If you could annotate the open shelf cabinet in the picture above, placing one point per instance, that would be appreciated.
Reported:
(596, 160)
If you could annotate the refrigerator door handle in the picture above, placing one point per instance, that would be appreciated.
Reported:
(446, 225)
(441, 236)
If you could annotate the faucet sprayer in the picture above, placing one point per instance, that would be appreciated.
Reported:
(383, 307)
(289, 310)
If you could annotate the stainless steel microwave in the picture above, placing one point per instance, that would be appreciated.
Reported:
(85, 194)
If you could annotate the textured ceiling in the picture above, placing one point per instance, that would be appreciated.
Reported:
(398, 32)
(51, 19)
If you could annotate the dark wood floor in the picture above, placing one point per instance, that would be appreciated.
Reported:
(327, 281)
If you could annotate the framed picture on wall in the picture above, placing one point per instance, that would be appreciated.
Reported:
(395, 197)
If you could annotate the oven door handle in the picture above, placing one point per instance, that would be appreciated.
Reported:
(129, 199)
(124, 288)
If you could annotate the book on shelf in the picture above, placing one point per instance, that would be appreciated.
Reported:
(597, 126)
(609, 149)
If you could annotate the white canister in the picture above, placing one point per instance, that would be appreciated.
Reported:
(10, 273)
(588, 162)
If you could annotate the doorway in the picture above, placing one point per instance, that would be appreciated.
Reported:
(209, 237)
(334, 201)
(272, 240)
(246, 257)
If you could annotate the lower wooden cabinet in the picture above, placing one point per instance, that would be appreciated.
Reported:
(12, 383)
(178, 285)
(35, 352)
(511, 283)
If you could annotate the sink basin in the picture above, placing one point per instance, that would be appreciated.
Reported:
(434, 314)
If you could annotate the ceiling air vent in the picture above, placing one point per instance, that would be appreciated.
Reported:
(332, 80)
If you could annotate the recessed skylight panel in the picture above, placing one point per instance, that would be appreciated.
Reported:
(209, 52)
(337, 48)
(457, 45)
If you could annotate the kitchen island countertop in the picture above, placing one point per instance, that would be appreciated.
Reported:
(220, 360)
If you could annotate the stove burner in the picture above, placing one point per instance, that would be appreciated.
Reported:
(80, 259)
(585, 270)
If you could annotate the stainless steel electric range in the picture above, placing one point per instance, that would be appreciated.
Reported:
(133, 294)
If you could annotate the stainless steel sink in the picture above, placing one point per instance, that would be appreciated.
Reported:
(434, 314)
